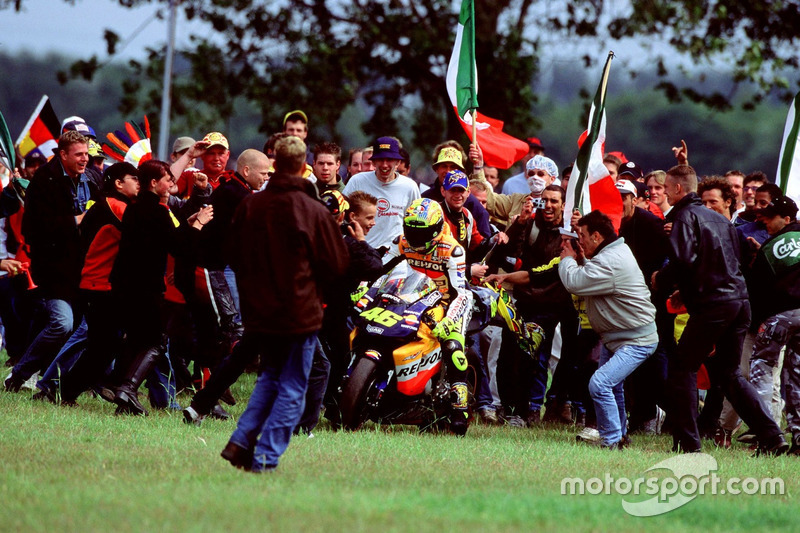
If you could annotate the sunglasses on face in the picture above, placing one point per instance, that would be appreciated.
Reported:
(540, 173)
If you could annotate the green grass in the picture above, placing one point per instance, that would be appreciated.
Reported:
(83, 469)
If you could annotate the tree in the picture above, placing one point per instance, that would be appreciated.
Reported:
(323, 56)
(756, 39)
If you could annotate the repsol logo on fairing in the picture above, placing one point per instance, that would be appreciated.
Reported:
(423, 363)
(425, 264)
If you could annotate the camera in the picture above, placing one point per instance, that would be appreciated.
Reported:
(538, 203)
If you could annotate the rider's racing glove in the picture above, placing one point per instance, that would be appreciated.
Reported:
(445, 328)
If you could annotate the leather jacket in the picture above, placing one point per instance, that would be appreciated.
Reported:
(703, 256)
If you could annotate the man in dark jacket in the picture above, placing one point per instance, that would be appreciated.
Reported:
(252, 171)
(55, 203)
(704, 266)
(285, 248)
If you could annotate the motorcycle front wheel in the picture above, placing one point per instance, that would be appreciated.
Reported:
(354, 408)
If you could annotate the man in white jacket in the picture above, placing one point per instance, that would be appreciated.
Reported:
(603, 270)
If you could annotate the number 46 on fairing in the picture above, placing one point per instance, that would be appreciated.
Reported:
(384, 317)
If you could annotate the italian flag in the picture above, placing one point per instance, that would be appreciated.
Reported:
(499, 149)
(788, 175)
(591, 186)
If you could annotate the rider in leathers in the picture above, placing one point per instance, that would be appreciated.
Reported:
(428, 247)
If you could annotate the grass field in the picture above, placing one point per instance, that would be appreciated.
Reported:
(83, 469)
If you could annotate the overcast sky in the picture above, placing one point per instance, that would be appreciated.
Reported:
(77, 30)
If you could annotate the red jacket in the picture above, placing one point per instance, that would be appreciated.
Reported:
(101, 227)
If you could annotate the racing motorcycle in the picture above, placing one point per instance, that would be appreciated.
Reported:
(396, 374)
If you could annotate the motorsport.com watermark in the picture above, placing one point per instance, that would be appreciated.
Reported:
(693, 475)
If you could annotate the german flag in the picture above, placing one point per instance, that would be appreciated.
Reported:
(42, 131)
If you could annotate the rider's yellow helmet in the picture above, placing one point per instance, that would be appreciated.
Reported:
(423, 222)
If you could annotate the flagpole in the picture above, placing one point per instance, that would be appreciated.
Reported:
(475, 127)
(166, 92)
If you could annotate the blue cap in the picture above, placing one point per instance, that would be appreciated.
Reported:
(455, 178)
(386, 148)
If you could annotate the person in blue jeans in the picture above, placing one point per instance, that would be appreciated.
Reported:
(600, 267)
(285, 248)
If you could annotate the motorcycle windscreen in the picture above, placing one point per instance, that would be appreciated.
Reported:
(417, 362)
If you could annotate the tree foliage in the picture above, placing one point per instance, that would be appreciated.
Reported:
(757, 40)
(322, 56)
(326, 55)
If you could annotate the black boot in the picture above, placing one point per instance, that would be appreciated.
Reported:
(126, 398)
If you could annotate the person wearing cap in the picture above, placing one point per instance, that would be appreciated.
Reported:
(93, 173)
(776, 307)
(55, 202)
(455, 191)
(393, 191)
(449, 156)
(645, 236)
(180, 147)
(518, 183)
(296, 123)
(215, 160)
(33, 161)
(327, 160)
(602, 269)
(97, 158)
(704, 266)
(630, 171)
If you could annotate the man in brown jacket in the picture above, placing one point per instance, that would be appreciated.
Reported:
(284, 248)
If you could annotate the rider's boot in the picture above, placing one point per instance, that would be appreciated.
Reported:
(459, 416)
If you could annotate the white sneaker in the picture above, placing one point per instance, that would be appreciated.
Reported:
(31, 383)
(590, 435)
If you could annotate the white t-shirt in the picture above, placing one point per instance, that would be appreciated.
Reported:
(393, 200)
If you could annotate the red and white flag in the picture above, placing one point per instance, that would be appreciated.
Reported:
(591, 186)
(499, 149)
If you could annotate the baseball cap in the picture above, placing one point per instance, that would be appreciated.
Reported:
(455, 178)
(297, 114)
(80, 126)
(386, 148)
(626, 187)
(35, 157)
(631, 169)
(215, 138)
(95, 150)
(782, 206)
(181, 144)
(534, 142)
(448, 154)
(641, 190)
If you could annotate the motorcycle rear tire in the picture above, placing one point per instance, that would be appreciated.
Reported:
(354, 395)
